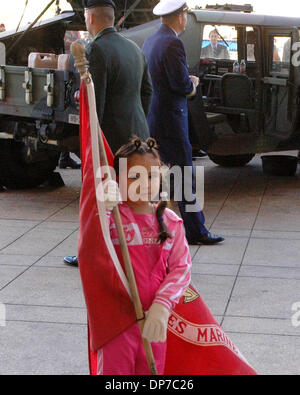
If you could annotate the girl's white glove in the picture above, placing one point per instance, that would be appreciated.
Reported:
(112, 196)
(155, 329)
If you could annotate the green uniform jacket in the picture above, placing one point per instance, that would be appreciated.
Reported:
(122, 85)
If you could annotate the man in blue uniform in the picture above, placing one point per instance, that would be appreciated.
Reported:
(168, 116)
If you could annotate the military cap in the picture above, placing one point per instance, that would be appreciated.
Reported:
(98, 3)
(168, 7)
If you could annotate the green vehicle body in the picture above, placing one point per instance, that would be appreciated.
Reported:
(39, 113)
(257, 112)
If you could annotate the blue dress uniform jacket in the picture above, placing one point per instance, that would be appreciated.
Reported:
(168, 116)
(165, 53)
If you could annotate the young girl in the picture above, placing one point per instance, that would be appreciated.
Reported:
(160, 258)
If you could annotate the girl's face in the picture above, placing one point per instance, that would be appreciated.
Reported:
(142, 177)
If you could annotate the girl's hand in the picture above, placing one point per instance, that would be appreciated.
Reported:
(155, 329)
(112, 196)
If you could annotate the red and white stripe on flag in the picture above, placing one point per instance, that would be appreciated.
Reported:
(108, 301)
(199, 343)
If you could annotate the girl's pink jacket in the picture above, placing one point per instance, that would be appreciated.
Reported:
(163, 281)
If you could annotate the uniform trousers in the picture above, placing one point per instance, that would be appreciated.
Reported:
(178, 152)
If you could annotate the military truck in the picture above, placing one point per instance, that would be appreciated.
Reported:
(234, 116)
(39, 108)
(252, 111)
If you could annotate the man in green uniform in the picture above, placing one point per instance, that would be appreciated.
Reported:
(120, 73)
(122, 82)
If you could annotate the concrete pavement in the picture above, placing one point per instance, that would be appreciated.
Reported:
(250, 282)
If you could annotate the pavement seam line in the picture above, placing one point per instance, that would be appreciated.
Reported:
(226, 199)
(246, 247)
(43, 256)
(36, 225)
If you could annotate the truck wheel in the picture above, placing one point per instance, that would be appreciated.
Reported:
(231, 160)
(16, 173)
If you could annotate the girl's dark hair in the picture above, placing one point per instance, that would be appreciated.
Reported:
(164, 231)
(137, 146)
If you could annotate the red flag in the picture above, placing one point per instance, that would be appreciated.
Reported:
(109, 306)
(199, 343)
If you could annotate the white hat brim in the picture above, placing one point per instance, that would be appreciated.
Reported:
(165, 7)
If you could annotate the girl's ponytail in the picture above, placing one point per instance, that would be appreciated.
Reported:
(164, 232)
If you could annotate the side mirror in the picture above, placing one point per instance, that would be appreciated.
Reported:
(2, 54)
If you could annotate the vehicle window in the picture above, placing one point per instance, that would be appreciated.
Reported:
(219, 42)
(281, 56)
(250, 44)
(72, 36)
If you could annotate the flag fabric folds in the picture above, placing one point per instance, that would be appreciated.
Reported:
(199, 343)
(109, 305)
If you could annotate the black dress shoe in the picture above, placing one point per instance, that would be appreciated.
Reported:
(199, 154)
(208, 239)
(69, 162)
(71, 261)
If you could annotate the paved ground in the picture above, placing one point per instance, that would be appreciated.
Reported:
(250, 283)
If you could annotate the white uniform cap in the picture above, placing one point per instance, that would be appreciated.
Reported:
(166, 7)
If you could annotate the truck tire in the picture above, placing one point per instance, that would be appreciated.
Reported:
(16, 173)
(231, 160)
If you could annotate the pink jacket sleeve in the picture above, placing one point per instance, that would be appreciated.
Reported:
(179, 271)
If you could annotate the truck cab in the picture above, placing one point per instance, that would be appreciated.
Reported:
(255, 109)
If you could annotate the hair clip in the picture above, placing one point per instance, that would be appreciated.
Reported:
(137, 143)
(164, 195)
